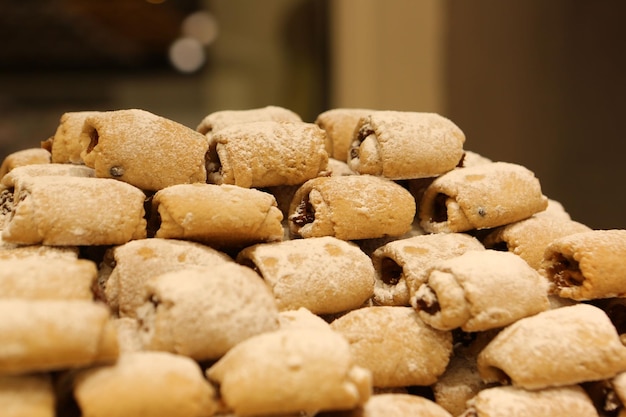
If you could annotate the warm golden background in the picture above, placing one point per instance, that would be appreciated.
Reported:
(535, 82)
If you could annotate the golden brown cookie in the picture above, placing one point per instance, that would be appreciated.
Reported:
(404, 145)
(401, 405)
(402, 265)
(27, 395)
(587, 265)
(65, 144)
(143, 149)
(74, 211)
(395, 345)
(339, 124)
(564, 346)
(41, 278)
(514, 402)
(351, 207)
(47, 335)
(480, 290)
(31, 156)
(203, 311)
(126, 268)
(267, 153)
(530, 237)
(324, 274)
(221, 216)
(222, 118)
(480, 197)
(290, 371)
(148, 384)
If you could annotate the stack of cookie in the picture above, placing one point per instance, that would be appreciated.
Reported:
(363, 264)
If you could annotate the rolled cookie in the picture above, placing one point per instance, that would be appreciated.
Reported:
(515, 402)
(404, 145)
(395, 345)
(222, 216)
(48, 335)
(223, 118)
(400, 405)
(339, 125)
(267, 153)
(350, 208)
(148, 384)
(402, 265)
(27, 396)
(126, 268)
(530, 237)
(143, 149)
(481, 290)
(587, 265)
(15, 251)
(31, 156)
(289, 371)
(61, 211)
(51, 169)
(565, 346)
(40, 278)
(480, 197)
(324, 275)
(202, 312)
(65, 144)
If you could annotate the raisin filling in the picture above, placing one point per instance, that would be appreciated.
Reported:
(428, 302)
(304, 213)
(94, 137)
(565, 272)
(6, 201)
(364, 132)
(440, 210)
(391, 272)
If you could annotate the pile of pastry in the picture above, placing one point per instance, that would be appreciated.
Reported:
(365, 264)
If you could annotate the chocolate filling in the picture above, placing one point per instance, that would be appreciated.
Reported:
(390, 271)
(304, 213)
(565, 272)
(364, 132)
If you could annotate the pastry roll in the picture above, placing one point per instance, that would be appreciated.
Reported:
(222, 216)
(202, 312)
(38, 170)
(143, 149)
(224, 118)
(267, 153)
(481, 290)
(147, 384)
(65, 145)
(404, 145)
(402, 265)
(324, 275)
(564, 346)
(350, 208)
(27, 396)
(55, 210)
(47, 335)
(480, 197)
(515, 402)
(40, 278)
(126, 268)
(339, 125)
(587, 265)
(400, 405)
(290, 371)
(395, 345)
(530, 237)
(31, 156)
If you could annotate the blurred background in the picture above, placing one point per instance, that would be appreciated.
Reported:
(532, 82)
